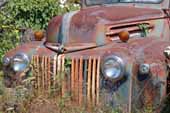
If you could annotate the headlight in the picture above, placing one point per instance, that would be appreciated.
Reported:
(113, 68)
(6, 61)
(167, 52)
(20, 62)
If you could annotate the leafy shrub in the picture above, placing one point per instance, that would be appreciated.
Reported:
(8, 39)
(31, 13)
(1, 85)
(17, 15)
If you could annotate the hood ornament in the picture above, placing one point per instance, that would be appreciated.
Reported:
(56, 47)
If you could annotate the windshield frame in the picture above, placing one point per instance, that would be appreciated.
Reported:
(137, 2)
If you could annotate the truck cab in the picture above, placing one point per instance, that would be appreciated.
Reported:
(137, 3)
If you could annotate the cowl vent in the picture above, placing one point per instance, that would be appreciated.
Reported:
(135, 30)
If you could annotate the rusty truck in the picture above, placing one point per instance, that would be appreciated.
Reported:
(115, 52)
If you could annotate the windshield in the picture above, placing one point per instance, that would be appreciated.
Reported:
(95, 2)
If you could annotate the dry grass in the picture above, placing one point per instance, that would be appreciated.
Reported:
(45, 104)
(20, 100)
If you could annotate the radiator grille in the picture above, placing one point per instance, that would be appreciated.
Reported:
(42, 72)
(78, 76)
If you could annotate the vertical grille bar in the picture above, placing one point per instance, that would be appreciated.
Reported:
(81, 80)
(98, 80)
(49, 73)
(63, 79)
(38, 72)
(89, 82)
(72, 78)
(34, 70)
(93, 80)
(59, 74)
(85, 69)
(45, 77)
(77, 80)
(43, 72)
(54, 71)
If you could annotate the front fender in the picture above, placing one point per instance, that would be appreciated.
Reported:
(32, 48)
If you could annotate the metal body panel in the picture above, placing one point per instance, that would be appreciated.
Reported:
(88, 25)
(31, 48)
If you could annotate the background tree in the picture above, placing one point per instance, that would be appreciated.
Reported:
(17, 15)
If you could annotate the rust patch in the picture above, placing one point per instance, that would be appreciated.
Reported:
(53, 30)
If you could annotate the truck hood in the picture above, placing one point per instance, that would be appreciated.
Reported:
(89, 25)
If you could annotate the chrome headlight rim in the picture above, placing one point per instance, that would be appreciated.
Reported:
(121, 63)
(6, 61)
(17, 61)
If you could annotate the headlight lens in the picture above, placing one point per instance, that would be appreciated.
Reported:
(20, 62)
(113, 68)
